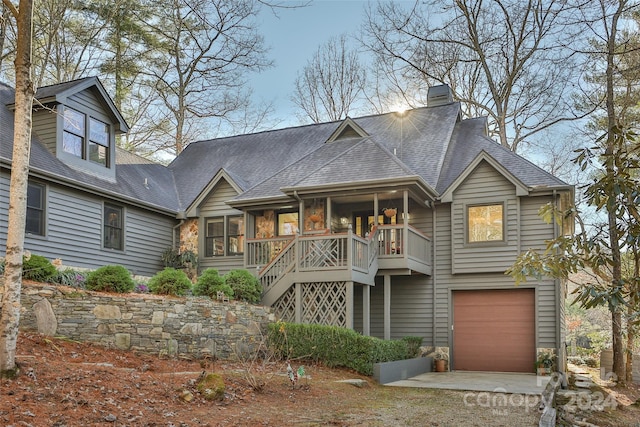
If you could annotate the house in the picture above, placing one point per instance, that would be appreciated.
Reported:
(392, 224)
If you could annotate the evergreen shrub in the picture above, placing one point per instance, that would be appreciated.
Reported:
(38, 268)
(333, 346)
(170, 282)
(210, 283)
(246, 287)
(110, 278)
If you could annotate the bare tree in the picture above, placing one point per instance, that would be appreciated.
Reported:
(505, 59)
(10, 316)
(208, 48)
(4, 26)
(331, 83)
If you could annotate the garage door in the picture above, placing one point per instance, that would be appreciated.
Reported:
(494, 330)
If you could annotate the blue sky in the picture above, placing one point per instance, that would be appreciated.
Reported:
(293, 36)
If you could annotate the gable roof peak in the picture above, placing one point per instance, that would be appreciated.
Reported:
(347, 129)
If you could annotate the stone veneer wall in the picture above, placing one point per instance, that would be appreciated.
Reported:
(198, 327)
(189, 236)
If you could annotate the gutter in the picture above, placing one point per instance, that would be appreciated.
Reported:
(57, 179)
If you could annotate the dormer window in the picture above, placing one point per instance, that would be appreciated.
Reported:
(78, 129)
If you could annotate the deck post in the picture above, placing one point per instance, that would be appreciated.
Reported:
(366, 310)
(349, 305)
(387, 307)
(298, 296)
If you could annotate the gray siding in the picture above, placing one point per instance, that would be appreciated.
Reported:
(534, 232)
(45, 127)
(74, 232)
(215, 206)
(484, 185)
(411, 308)
(89, 103)
(421, 218)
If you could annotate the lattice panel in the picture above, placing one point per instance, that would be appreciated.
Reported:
(324, 303)
(285, 307)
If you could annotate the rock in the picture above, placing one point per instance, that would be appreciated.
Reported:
(186, 395)
(583, 384)
(211, 386)
(45, 317)
(107, 312)
(123, 341)
(110, 418)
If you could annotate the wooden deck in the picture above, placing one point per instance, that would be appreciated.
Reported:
(281, 262)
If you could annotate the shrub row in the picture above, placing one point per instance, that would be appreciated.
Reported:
(238, 284)
(337, 347)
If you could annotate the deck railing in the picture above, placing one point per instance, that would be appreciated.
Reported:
(260, 252)
(309, 253)
(418, 246)
(322, 252)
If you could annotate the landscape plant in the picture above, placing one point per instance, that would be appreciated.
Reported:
(37, 268)
(170, 282)
(70, 277)
(110, 278)
(245, 286)
(210, 283)
(334, 346)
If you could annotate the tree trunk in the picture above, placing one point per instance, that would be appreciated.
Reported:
(629, 350)
(616, 267)
(10, 318)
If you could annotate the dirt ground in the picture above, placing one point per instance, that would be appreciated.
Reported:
(65, 383)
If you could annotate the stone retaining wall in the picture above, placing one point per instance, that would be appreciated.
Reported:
(162, 325)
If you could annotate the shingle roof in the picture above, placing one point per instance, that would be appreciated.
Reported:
(250, 158)
(131, 170)
(469, 140)
(431, 143)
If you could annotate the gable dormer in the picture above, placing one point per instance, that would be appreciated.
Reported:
(347, 129)
(78, 122)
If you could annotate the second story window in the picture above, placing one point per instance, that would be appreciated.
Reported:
(74, 132)
(485, 223)
(98, 141)
(86, 137)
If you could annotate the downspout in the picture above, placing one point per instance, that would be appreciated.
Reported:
(300, 210)
(433, 272)
(181, 216)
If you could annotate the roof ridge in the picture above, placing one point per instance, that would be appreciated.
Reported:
(355, 119)
(68, 82)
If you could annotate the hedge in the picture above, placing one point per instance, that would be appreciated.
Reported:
(335, 346)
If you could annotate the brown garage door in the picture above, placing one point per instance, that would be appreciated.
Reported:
(494, 330)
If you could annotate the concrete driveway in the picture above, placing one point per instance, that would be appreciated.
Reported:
(498, 382)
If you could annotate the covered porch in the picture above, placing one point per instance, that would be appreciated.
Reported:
(326, 246)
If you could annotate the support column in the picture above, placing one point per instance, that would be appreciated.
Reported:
(349, 308)
(298, 291)
(366, 310)
(387, 307)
